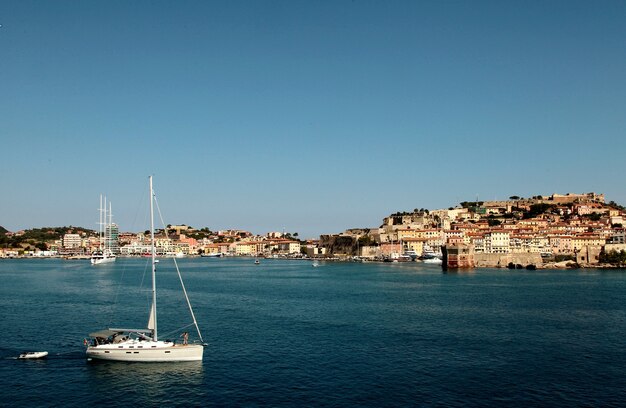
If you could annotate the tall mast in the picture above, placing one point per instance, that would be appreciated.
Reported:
(153, 248)
(100, 223)
(108, 228)
(104, 226)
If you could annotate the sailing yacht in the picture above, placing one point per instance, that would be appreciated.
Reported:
(104, 254)
(143, 345)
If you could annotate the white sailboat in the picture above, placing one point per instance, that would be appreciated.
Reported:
(143, 345)
(104, 254)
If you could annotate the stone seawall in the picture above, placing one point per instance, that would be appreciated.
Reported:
(503, 260)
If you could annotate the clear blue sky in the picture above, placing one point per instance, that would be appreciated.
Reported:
(308, 116)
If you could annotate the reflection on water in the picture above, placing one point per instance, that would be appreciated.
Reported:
(148, 382)
(285, 334)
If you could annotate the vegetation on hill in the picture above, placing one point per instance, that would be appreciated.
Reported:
(616, 206)
(538, 209)
(471, 204)
(37, 237)
(195, 233)
(613, 257)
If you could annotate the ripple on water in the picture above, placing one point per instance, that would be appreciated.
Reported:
(285, 334)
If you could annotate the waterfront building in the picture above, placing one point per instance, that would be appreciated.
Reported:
(584, 240)
(388, 248)
(453, 234)
(404, 233)
(458, 256)
(560, 244)
(246, 248)
(314, 250)
(520, 243)
(294, 247)
(211, 249)
(187, 245)
(414, 244)
(111, 235)
(528, 243)
(618, 236)
(497, 242)
(71, 241)
(135, 248)
(477, 239)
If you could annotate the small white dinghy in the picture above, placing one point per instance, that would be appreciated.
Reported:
(33, 355)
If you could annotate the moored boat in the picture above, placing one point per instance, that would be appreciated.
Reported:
(434, 260)
(214, 255)
(411, 254)
(31, 355)
(430, 256)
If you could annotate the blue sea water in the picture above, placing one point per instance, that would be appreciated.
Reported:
(285, 334)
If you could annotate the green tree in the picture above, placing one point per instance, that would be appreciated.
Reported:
(493, 222)
(613, 257)
(537, 209)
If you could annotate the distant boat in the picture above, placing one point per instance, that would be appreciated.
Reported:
(256, 262)
(31, 355)
(428, 254)
(174, 255)
(215, 255)
(104, 254)
(143, 345)
(315, 264)
(411, 254)
(396, 257)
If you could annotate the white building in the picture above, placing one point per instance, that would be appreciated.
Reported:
(72, 241)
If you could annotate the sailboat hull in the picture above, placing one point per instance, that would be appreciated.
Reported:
(189, 352)
(102, 260)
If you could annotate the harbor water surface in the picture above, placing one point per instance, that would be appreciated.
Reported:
(283, 333)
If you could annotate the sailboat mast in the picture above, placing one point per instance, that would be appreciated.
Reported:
(104, 225)
(108, 229)
(109, 232)
(153, 253)
(100, 223)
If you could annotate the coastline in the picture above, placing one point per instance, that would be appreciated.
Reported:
(564, 265)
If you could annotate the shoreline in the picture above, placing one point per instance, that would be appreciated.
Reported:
(565, 265)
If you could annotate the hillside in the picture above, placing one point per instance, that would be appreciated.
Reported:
(37, 237)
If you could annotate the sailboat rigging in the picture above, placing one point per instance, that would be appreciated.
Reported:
(143, 345)
(104, 254)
